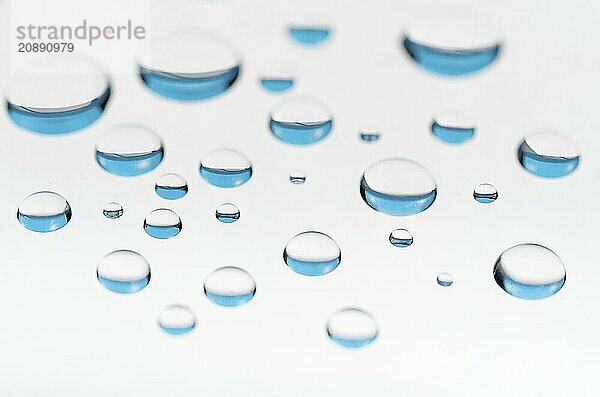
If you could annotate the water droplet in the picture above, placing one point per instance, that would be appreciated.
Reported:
(530, 271)
(129, 150)
(452, 127)
(58, 95)
(369, 135)
(124, 272)
(548, 154)
(485, 193)
(112, 210)
(445, 279)
(309, 34)
(44, 212)
(229, 286)
(227, 213)
(297, 177)
(189, 66)
(401, 238)
(453, 45)
(300, 121)
(177, 320)
(352, 328)
(312, 254)
(171, 186)
(162, 223)
(277, 83)
(226, 168)
(398, 187)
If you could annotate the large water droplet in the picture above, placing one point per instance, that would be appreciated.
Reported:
(162, 223)
(171, 186)
(226, 168)
(58, 95)
(530, 271)
(44, 212)
(189, 66)
(112, 210)
(397, 186)
(129, 150)
(277, 82)
(177, 320)
(452, 127)
(297, 177)
(485, 193)
(312, 254)
(548, 154)
(124, 272)
(309, 34)
(227, 213)
(300, 121)
(445, 279)
(352, 328)
(229, 286)
(401, 238)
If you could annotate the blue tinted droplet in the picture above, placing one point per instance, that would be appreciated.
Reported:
(548, 154)
(229, 286)
(300, 121)
(123, 272)
(44, 212)
(312, 254)
(225, 168)
(162, 224)
(276, 84)
(309, 35)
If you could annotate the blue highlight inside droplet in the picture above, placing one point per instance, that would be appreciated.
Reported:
(44, 224)
(225, 178)
(401, 242)
(452, 134)
(177, 330)
(230, 300)
(309, 36)
(451, 62)
(351, 343)
(544, 166)
(171, 192)
(485, 198)
(276, 85)
(227, 218)
(129, 165)
(300, 134)
(162, 232)
(189, 88)
(124, 287)
(526, 291)
(396, 205)
(369, 137)
(309, 268)
(54, 123)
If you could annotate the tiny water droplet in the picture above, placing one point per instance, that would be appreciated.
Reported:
(369, 135)
(485, 193)
(352, 328)
(300, 121)
(312, 254)
(177, 320)
(530, 271)
(226, 168)
(227, 213)
(123, 272)
(277, 82)
(548, 154)
(44, 212)
(452, 127)
(297, 177)
(309, 35)
(112, 210)
(397, 186)
(129, 150)
(445, 279)
(401, 238)
(171, 186)
(230, 286)
(162, 223)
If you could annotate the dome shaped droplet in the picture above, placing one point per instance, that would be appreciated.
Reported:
(227, 213)
(112, 210)
(44, 212)
(369, 135)
(548, 154)
(189, 66)
(401, 238)
(297, 177)
(312, 254)
(277, 82)
(229, 286)
(57, 95)
(309, 35)
(171, 186)
(485, 193)
(123, 272)
(226, 168)
(177, 320)
(352, 328)
(162, 223)
(398, 187)
(445, 279)
(530, 271)
(300, 121)
(129, 150)
(452, 127)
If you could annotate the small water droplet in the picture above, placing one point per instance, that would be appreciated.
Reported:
(548, 154)
(297, 177)
(352, 328)
(227, 213)
(369, 135)
(445, 279)
(277, 82)
(309, 35)
(401, 238)
(58, 95)
(530, 271)
(226, 168)
(397, 186)
(44, 212)
(129, 150)
(123, 272)
(189, 66)
(177, 320)
(171, 186)
(112, 210)
(162, 223)
(485, 193)
(312, 254)
(452, 127)
(300, 121)
(230, 286)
